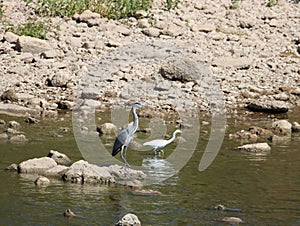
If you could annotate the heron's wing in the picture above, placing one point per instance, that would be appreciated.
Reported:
(121, 140)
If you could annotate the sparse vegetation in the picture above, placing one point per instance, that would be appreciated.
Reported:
(234, 4)
(31, 28)
(171, 4)
(113, 9)
(272, 3)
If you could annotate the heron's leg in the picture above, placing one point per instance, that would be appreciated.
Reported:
(123, 155)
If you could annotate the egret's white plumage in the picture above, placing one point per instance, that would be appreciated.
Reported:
(159, 144)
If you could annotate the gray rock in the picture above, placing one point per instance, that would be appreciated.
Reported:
(256, 148)
(66, 105)
(26, 57)
(295, 127)
(84, 172)
(3, 136)
(18, 138)
(10, 95)
(69, 213)
(107, 128)
(17, 110)
(163, 86)
(172, 30)
(127, 176)
(56, 171)
(61, 78)
(89, 17)
(12, 167)
(239, 63)
(129, 220)
(206, 28)
(32, 120)
(36, 165)
(232, 220)
(10, 37)
(50, 54)
(2, 122)
(183, 70)
(140, 14)
(296, 91)
(151, 32)
(268, 106)
(32, 45)
(281, 96)
(260, 131)
(282, 127)
(42, 181)
(14, 124)
(60, 158)
(244, 135)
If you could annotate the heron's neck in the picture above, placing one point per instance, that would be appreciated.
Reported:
(135, 119)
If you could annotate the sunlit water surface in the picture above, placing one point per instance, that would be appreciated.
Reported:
(261, 190)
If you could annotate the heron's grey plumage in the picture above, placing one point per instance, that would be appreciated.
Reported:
(126, 135)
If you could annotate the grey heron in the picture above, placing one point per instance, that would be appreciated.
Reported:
(126, 135)
(159, 144)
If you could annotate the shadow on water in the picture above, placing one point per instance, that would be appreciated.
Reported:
(260, 189)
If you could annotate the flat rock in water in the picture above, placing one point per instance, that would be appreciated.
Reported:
(268, 106)
(233, 220)
(84, 172)
(256, 148)
(36, 165)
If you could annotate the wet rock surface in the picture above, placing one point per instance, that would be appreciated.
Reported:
(80, 171)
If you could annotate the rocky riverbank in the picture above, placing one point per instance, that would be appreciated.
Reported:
(252, 54)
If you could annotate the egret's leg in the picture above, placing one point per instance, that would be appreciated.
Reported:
(123, 155)
(161, 153)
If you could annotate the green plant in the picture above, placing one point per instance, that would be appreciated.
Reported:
(112, 9)
(272, 3)
(234, 4)
(1, 10)
(118, 9)
(172, 4)
(37, 29)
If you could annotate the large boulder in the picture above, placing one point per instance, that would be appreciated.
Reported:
(36, 165)
(183, 70)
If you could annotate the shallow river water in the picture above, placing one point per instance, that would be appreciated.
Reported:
(261, 190)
